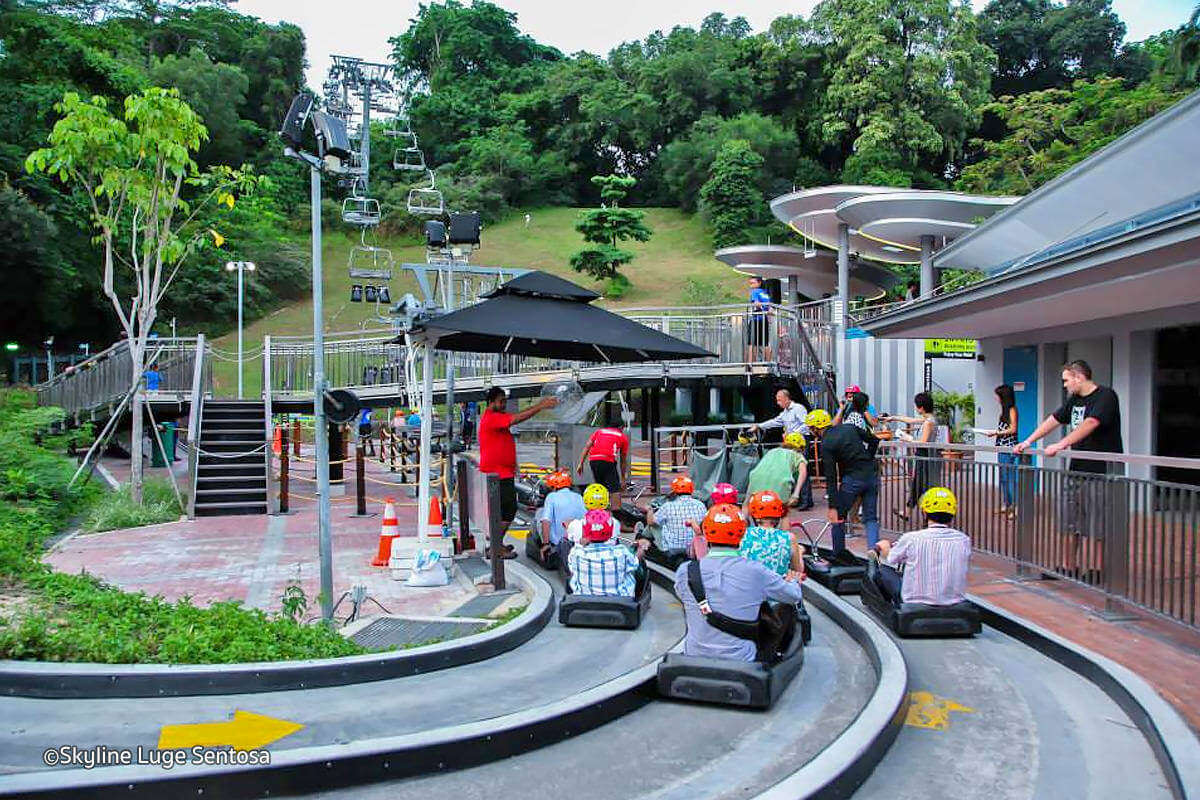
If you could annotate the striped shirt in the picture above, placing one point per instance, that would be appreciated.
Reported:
(672, 515)
(604, 568)
(935, 564)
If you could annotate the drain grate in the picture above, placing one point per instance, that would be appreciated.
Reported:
(392, 632)
(474, 567)
(481, 606)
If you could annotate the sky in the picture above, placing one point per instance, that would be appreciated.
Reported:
(362, 27)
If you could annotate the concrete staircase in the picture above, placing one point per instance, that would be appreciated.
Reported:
(232, 473)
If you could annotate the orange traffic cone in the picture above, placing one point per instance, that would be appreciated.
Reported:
(435, 517)
(387, 533)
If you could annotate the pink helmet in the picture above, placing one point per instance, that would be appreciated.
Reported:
(853, 389)
(597, 525)
(724, 493)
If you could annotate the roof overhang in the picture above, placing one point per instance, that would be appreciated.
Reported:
(815, 271)
(1149, 166)
(1143, 271)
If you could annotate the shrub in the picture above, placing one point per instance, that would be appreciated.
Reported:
(117, 510)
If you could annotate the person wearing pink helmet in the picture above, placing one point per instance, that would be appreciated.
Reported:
(602, 566)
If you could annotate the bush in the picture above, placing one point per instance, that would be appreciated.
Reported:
(79, 618)
(117, 510)
(617, 287)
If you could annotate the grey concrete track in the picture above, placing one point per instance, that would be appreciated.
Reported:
(556, 664)
(677, 751)
(1035, 730)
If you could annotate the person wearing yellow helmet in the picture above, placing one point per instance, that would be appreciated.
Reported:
(935, 559)
(782, 470)
(848, 463)
(595, 498)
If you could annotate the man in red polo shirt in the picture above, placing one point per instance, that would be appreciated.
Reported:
(607, 453)
(498, 450)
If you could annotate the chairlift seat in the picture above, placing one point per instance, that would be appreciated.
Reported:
(589, 611)
(409, 158)
(750, 684)
(361, 211)
(367, 261)
(914, 620)
(426, 201)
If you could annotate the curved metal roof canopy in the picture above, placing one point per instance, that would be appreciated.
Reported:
(885, 224)
(816, 273)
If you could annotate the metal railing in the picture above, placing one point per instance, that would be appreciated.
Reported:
(789, 343)
(105, 378)
(1134, 539)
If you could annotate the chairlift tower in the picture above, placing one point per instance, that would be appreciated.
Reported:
(369, 83)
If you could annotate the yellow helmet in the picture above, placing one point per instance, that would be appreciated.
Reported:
(595, 496)
(794, 440)
(818, 418)
(939, 499)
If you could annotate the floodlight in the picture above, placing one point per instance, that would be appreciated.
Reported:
(435, 234)
(356, 293)
(465, 228)
(332, 139)
(293, 124)
(372, 294)
(385, 296)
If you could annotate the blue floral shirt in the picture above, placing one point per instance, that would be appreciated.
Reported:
(771, 547)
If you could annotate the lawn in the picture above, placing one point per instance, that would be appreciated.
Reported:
(679, 249)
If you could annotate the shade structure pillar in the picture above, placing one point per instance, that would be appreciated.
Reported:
(928, 280)
(843, 296)
(423, 471)
(793, 291)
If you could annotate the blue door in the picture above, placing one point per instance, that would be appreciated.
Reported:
(1021, 373)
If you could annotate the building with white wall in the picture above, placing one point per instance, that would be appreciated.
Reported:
(1103, 264)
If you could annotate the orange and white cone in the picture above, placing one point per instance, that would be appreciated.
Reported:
(435, 517)
(387, 532)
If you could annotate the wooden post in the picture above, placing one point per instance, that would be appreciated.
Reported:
(360, 480)
(295, 437)
(283, 471)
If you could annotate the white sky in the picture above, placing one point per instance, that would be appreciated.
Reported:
(362, 27)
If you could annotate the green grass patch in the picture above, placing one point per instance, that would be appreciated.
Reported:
(117, 510)
(51, 616)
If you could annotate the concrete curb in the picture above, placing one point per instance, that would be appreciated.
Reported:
(56, 680)
(1174, 744)
(834, 773)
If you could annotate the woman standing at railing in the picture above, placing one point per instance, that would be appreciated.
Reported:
(1006, 436)
(925, 469)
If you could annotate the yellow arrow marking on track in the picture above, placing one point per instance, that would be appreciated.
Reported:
(246, 731)
(927, 710)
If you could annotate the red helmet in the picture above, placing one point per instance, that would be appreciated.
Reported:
(724, 525)
(853, 389)
(766, 505)
(597, 525)
(559, 479)
(682, 484)
(723, 493)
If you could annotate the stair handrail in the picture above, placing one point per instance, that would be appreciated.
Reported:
(195, 408)
(269, 426)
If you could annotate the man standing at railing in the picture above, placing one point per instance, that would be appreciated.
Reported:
(791, 418)
(1093, 416)
(498, 452)
(757, 324)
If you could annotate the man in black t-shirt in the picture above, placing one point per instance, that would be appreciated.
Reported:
(1093, 416)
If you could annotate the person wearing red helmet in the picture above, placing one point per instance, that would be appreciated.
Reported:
(724, 597)
(678, 516)
(723, 493)
(767, 543)
(602, 566)
(561, 506)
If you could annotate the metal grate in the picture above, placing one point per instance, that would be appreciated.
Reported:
(482, 605)
(394, 632)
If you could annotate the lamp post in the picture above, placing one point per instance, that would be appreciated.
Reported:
(242, 267)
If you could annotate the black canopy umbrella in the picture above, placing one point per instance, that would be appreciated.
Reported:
(537, 314)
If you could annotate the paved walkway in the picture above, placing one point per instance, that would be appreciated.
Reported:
(251, 559)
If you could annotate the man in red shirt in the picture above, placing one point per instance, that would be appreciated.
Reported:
(607, 453)
(498, 450)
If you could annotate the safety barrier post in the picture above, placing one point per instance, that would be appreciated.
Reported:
(283, 472)
(296, 437)
(360, 480)
(1026, 497)
(464, 509)
(1114, 563)
(495, 528)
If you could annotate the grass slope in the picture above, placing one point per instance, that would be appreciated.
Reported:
(679, 249)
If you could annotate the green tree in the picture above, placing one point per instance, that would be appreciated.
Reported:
(134, 170)
(1185, 55)
(215, 92)
(607, 227)
(906, 79)
(730, 200)
(1050, 130)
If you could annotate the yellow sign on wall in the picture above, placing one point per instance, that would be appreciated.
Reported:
(949, 348)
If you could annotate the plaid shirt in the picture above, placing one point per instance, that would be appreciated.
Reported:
(672, 515)
(604, 568)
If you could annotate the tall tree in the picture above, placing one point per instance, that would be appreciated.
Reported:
(730, 200)
(607, 227)
(134, 170)
(906, 79)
